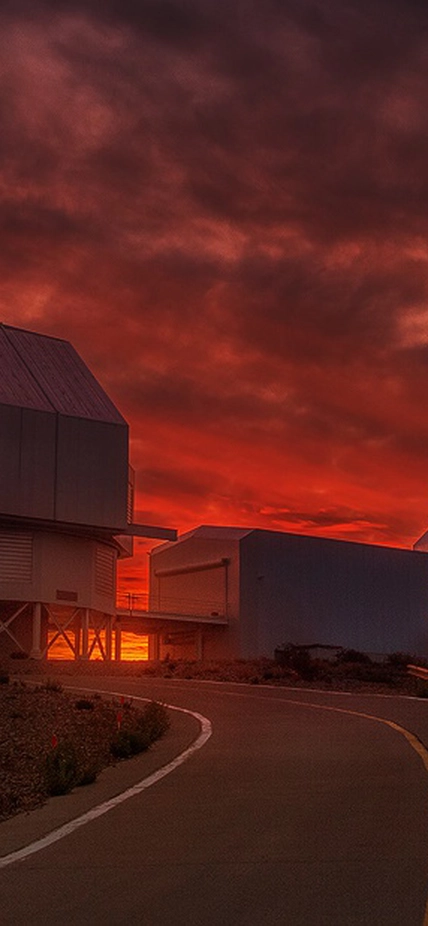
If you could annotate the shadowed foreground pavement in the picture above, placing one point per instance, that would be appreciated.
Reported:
(288, 815)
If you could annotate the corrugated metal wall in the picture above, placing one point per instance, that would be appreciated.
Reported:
(53, 567)
(308, 590)
(63, 469)
(286, 588)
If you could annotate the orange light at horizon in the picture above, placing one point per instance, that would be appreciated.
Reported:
(134, 647)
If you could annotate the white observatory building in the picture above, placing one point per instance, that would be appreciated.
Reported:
(66, 499)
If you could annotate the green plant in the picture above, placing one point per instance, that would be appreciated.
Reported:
(155, 720)
(88, 775)
(61, 770)
(127, 743)
(51, 685)
(144, 730)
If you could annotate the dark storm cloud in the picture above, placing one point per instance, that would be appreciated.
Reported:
(179, 483)
(330, 518)
(224, 207)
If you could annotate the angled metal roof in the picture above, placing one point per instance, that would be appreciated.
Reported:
(211, 532)
(421, 544)
(207, 532)
(46, 373)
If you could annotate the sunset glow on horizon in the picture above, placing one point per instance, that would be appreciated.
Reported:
(223, 208)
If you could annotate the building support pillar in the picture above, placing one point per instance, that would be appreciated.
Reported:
(117, 640)
(85, 634)
(36, 649)
(77, 638)
(109, 634)
(154, 646)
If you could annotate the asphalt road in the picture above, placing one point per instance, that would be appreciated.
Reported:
(290, 814)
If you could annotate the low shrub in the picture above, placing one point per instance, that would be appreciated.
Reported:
(61, 770)
(88, 775)
(9, 802)
(155, 719)
(399, 660)
(127, 743)
(353, 655)
(299, 660)
(140, 731)
(84, 704)
(51, 685)
(372, 672)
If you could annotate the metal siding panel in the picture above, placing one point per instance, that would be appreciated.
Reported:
(27, 462)
(37, 470)
(10, 453)
(251, 628)
(200, 591)
(65, 565)
(338, 593)
(92, 473)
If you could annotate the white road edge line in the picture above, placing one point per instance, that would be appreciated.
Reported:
(68, 828)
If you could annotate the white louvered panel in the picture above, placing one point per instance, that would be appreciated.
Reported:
(104, 571)
(16, 556)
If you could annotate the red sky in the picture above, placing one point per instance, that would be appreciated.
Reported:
(223, 206)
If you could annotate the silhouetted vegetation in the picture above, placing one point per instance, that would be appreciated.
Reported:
(84, 704)
(353, 655)
(295, 666)
(400, 660)
(61, 769)
(141, 731)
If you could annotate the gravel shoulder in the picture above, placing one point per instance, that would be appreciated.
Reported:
(49, 735)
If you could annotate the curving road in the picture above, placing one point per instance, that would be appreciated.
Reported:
(291, 813)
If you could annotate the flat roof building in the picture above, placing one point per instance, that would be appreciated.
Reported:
(270, 588)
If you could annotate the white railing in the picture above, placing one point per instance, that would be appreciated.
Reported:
(197, 607)
(133, 601)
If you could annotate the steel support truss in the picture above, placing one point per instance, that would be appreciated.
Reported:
(74, 628)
